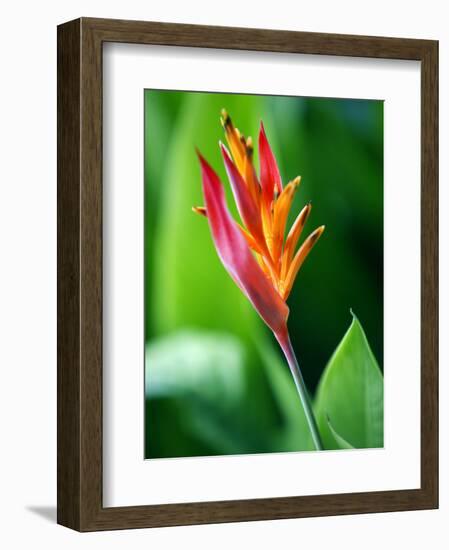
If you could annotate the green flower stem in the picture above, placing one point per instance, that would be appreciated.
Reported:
(289, 353)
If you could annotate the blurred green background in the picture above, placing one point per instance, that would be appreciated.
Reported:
(215, 381)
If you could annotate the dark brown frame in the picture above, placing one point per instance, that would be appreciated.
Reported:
(80, 274)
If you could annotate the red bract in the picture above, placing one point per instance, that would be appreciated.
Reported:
(270, 179)
(236, 255)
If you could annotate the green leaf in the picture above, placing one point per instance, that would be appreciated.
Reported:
(350, 394)
(340, 440)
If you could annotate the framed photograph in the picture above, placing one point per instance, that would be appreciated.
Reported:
(247, 274)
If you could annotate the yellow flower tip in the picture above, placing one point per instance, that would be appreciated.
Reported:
(249, 147)
(291, 187)
(315, 235)
(201, 210)
(226, 122)
(296, 181)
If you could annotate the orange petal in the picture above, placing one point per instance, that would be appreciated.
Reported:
(249, 239)
(267, 224)
(235, 141)
(292, 239)
(264, 267)
(298, 260)
(249, 172)
(262, 258)
(280, 214)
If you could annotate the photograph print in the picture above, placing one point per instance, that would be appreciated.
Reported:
(263, 221)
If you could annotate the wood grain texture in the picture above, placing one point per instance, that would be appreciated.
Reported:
(429, 271)
(80, 274)
(69, 408)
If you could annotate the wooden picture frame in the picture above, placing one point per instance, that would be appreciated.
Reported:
(80, 504)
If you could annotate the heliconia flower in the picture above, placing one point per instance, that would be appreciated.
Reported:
(266, 273)
(261, 260)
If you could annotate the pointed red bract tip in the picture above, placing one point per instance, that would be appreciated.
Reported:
(270, 178)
